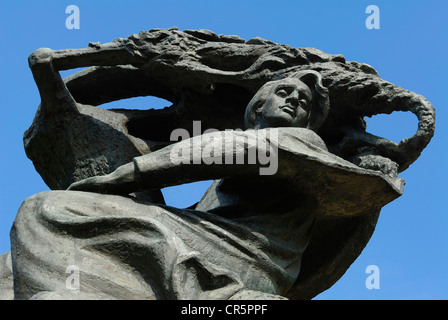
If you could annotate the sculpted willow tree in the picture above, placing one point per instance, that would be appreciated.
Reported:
(290, 232)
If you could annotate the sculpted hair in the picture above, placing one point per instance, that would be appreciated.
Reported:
(320, 103)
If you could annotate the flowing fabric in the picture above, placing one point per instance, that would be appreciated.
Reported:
(126, 249)
(247, 234)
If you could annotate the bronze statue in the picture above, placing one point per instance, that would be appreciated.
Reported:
(288, 231)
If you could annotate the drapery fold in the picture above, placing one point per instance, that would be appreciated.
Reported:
(129, 249)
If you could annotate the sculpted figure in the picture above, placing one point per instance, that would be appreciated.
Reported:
(266, 215)
(253, 242)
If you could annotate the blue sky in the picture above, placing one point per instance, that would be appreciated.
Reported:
(410, 243)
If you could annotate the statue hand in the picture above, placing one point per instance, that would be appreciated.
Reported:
(40, 56)
(121, 181)
(93, 184)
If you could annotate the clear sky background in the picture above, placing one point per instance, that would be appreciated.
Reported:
(410, 243)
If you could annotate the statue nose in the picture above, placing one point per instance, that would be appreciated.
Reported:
(293, 98)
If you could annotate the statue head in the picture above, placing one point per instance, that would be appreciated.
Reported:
(299, 100)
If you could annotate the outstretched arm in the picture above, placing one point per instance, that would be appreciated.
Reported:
(45, 65)
(209, 156)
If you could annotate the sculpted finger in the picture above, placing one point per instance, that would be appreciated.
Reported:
(89, 184)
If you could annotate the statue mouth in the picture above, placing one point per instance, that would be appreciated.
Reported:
(289, 110)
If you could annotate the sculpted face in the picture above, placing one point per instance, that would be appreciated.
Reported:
(287, 104)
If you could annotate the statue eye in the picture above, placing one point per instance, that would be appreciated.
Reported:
(282, 93)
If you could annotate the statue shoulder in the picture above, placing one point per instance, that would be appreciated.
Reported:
(303, 134)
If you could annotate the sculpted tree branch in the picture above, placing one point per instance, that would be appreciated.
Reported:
(199, 64)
